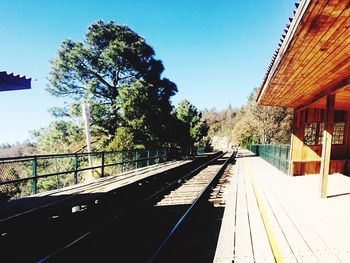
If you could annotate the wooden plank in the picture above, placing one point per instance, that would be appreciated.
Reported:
(332, 68)
(293, 30)
(261, 246)
(306, 228)
(325, 74)
(323, 57)
(313, 40)
(278, 242)
(327, 32)
(299, 247)
(243, 244)
(279, 189)
(225, 247)
(296, 44)
(329, 74)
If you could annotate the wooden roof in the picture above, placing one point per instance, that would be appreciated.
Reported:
(314, 58)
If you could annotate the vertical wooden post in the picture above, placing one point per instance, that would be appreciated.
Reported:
(292, 142)
(327, 144)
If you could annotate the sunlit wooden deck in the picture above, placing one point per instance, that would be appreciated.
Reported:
(272, 217)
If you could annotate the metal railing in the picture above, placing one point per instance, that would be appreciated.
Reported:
(200, 150)
(23, 176)
(277, 155)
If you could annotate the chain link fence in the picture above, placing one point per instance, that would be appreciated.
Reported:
(277, 155)
(23, 176)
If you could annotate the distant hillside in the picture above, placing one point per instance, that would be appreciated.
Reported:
(249, 124)
(17, 149)
(221, 124)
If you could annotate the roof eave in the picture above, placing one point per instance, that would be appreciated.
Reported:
(277, 58)
(10, 82)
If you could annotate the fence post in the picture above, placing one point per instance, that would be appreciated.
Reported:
(122, 160)
(76, 164)
(103, 164)
(34, 174)
(135, 159)
(279, 159)
(148, 155)
(165, 156)
(157, 155)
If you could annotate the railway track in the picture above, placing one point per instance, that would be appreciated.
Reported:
(190, 239)
(190, 190)
(139, 232)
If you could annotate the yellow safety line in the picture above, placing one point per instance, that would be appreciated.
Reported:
(272, 240)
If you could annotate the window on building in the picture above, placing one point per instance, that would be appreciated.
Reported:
(320, 133)
(338, 133)
(310, 133)
(313, 133)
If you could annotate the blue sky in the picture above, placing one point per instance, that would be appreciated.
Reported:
(216, 51)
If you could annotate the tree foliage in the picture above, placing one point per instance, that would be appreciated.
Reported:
(147, 114)
(114, 69)
(193, 128)
(263, 124)
(251, 123)
(60, 137)
(220, 122)
(220, 126)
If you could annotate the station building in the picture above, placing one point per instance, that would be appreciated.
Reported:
(310, 72)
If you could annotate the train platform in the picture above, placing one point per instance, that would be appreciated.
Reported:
(82, 192)
(272, 217)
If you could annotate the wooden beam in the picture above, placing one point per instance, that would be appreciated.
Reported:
(332, 89)
(327, 144)
(292, 142)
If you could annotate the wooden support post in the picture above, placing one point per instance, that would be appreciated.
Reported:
(292, 142)
(327, 144)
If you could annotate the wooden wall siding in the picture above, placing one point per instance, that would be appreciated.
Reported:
(317, 60)
(306, 158)
(303, 168)
(347, 167)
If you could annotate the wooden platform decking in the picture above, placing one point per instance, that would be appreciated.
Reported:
(272, 217)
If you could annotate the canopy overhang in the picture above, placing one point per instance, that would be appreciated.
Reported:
(10, 82)
(313, 59)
